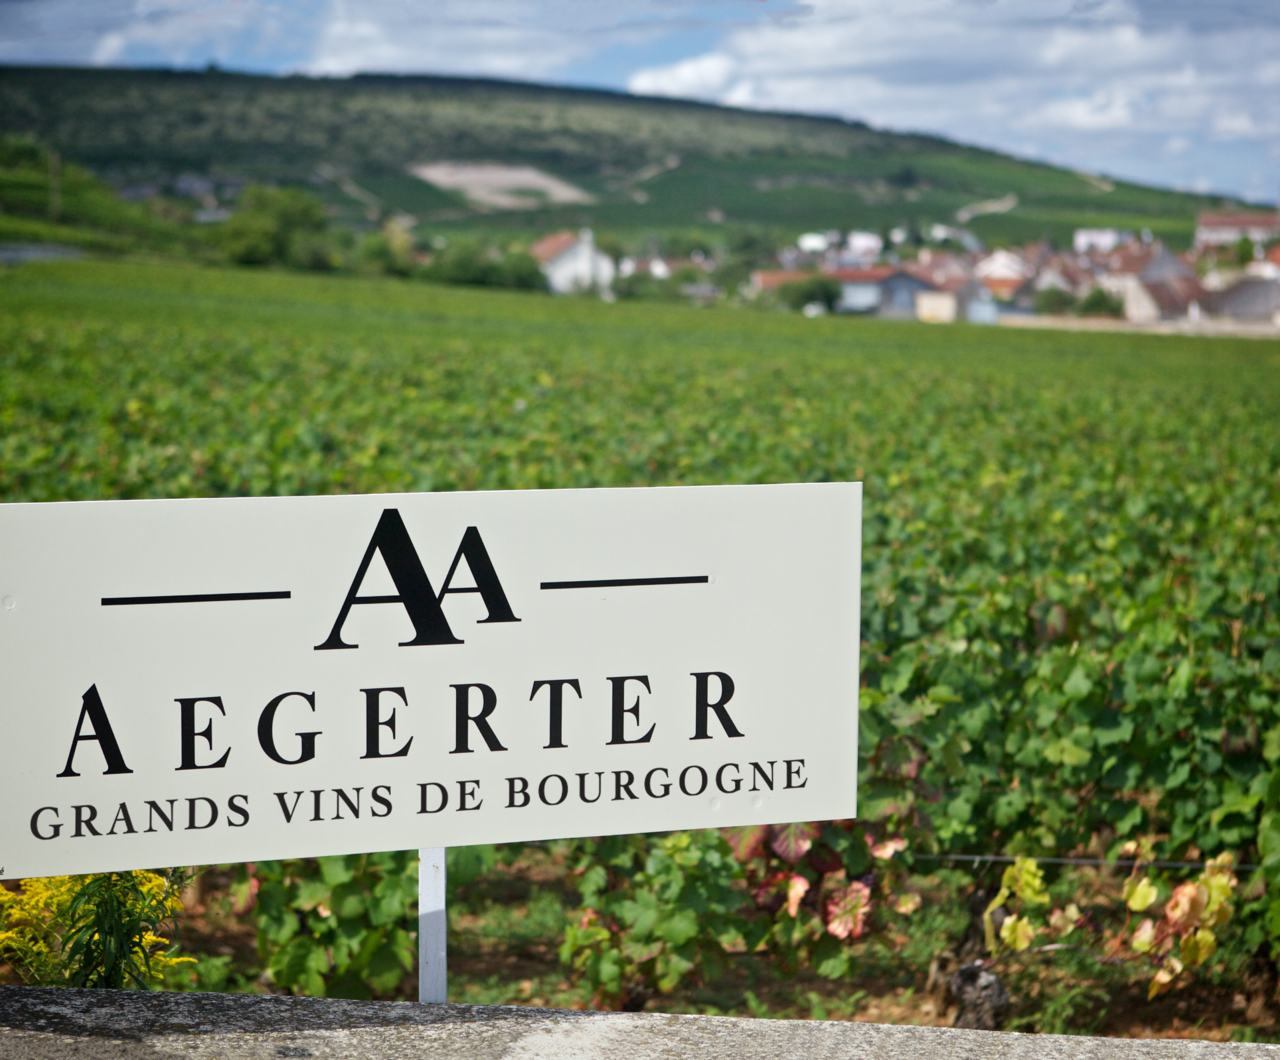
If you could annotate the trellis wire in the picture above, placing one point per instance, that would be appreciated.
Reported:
(1073, 861)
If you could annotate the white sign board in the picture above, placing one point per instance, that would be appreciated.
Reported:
(202, 681)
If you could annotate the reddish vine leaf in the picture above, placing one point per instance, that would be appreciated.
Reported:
(792, 841)
(847, 911)
(902, 757)
(747, 843)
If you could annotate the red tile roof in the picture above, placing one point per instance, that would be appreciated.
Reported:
(772, 279)
(874, 274)
(548, 248)
(1002, 288)
(1253, 219)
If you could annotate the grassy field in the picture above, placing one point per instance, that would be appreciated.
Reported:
(1071, 554)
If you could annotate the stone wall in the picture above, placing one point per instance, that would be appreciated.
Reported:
(43, 1023)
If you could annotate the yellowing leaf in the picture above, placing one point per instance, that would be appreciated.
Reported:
(1144, 938)
(796, 890)
(1185, 906)
(908, 903)
(1063, 921)
(1220, 883)
(1171, 969)
(1026, 880)
(1139, 894)
(1017, 931)
(888, 848)
(1198, 947)
(988, 925)
(1071, 754)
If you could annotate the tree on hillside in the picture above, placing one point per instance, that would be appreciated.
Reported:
(268, 222)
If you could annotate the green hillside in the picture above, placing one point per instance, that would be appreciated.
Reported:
(44, 200)
(648, 163)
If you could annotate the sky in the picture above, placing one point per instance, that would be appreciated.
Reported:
(1178, 93)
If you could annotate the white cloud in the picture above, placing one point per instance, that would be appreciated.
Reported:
(1235, 125)
(1104, 109)
(705, 75)
(486, 37)
(1104, 85)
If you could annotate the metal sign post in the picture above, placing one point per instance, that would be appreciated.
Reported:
(433, 926)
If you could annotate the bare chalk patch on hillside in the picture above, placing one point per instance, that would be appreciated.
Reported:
(489, 185)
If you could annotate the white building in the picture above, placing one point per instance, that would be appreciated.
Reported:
(573, 263)
(1103, 239)
(1139, 306)
(1227, 229)
(936, 307)
(864, 245)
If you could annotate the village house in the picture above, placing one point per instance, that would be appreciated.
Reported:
(1252, 299)
(860, 290)
(947, 272)
(958, 295)
(1059, 272)
(1154, 284)
(885, 290)
(976, 304)
(1103, 239)
(862, 248)
(1227, 229)
(768, 281)
(572, 263)
(1004, 272)
(654, 267)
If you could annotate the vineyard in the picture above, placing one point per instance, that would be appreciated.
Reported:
(1071, 630)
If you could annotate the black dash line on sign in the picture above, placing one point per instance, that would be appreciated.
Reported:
(192, 598)
(612, 583)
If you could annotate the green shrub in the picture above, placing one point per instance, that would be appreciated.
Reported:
(267, 222)
(251, 238)
(1100, 303)
(656, 909)
(338, 926)
(22, 152)
(92, 931)
(342, 926)
(821, 289)
(315, 251)
(1054, 300)
(473, 264)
